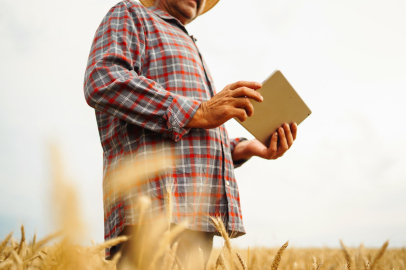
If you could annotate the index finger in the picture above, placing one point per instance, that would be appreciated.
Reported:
(252, 85)
(247, 92)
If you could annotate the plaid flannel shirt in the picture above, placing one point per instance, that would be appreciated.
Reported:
(146, 78)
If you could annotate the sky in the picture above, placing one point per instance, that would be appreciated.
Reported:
(345, 176)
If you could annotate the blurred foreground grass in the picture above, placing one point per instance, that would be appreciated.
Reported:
(62, 250)
(65, 255)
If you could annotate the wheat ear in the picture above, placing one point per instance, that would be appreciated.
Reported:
(361, 255)
(277, 259)
(222, 261)
(5, 242)
(242, 262)
(218, 223)
(347, 255)
(20, 247)
(314, 264)
(46, 240)
(379, 255)
(366, 264)
(34, 240)
(108, 243)
(173, 256)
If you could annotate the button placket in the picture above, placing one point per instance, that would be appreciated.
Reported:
(204, 68)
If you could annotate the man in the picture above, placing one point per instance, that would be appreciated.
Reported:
(149, 85)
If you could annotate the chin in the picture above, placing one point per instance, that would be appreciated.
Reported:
(189, 13)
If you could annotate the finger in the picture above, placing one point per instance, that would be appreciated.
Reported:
(282, 141)
(247, 92)
(273, 147)
(253, 85)
(241, 114)
(288, 134)
(244, 103)
(293, 128)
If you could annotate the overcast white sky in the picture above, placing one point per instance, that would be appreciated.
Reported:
(345, 176)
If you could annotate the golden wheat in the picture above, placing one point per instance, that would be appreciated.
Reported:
(278, 256)
(242, 262)
(153, 245)
(64, 255)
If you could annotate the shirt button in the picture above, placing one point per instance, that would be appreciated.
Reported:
(227, 183)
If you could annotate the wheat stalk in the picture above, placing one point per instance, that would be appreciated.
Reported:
(168, 205)
(144, 203)
(6, 264)
(167, 259)
(17, 260)
(167, 238)
(170, 257)
(248, 257)
(201, 257)
(34, 257)
(107, 244)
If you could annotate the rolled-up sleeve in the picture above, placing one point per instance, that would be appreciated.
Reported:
(114, 85)
(233, 144)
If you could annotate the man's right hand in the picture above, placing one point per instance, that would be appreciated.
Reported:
(232, 101)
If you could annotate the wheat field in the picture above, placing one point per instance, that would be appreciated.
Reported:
(64, 249)
(64, 254)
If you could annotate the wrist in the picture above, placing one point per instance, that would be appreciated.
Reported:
(197, 119)
(242, 151)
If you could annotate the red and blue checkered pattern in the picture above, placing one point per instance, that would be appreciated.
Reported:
(146, 78)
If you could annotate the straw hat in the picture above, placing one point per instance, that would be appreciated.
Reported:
(209, 4)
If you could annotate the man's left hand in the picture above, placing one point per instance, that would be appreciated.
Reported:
(281, 141)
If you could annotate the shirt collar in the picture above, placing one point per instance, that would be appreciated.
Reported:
(166, 16)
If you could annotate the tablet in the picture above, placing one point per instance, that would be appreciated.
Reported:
(281, 104)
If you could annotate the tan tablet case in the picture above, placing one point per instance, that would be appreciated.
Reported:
(281, 105)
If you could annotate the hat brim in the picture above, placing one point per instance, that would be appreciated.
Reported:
(209, 4)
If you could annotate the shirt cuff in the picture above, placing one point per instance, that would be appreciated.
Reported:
(180, 111)
(233, 144)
